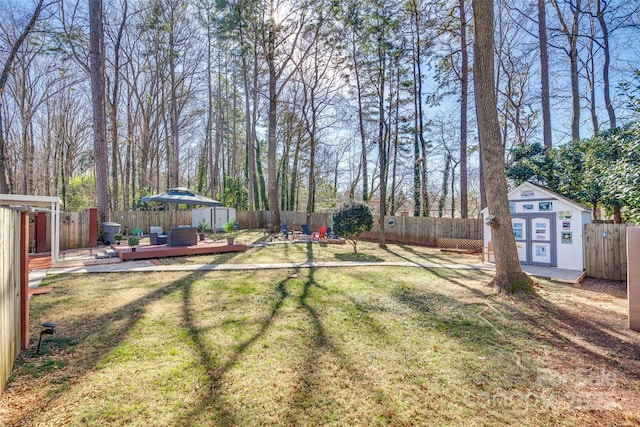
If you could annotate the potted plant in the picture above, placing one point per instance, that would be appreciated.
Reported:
(229, 228)
(118, 237)
(203, 226)
(133, 242)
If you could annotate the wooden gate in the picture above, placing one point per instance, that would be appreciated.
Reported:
(605, 251)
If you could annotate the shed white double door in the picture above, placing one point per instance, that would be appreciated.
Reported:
(535, 238)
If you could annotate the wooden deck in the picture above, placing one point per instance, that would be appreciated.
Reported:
(147, 251)
(39, 261)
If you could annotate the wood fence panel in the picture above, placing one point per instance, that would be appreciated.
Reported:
(605, 249)
(425, 230)
(294, 220)
(74, 230)
(130, 220)
(9, 292)
(604, 244)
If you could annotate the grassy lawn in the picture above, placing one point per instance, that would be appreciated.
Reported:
(360, 346)
(300, 252)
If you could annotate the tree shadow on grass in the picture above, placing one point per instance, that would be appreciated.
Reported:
(577, 340)
(574, 332)
(431, 257)
(308, 395)
(358, 257)
(564, 329)
(215, 372)
(112, 327)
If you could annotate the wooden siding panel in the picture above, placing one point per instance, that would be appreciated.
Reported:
(9, 292)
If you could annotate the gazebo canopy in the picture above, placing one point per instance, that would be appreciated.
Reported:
(181, 195)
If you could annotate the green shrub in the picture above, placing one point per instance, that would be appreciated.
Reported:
(133, 241)
(229, 227)
(351, 220)
(203, 226)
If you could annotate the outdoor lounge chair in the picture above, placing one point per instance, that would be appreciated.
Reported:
(330, 234)
(182, 236)
(157, 239)
(322, 233)
(305, 234)
(285, 231)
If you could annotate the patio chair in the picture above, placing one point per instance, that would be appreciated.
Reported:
(322, 233)
(285, 231)
(330, 234)
(156, 239)
(306, 230)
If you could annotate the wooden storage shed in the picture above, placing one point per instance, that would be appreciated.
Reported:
(549, 228)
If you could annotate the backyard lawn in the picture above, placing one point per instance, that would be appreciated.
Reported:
(319, 252)
(350, 346)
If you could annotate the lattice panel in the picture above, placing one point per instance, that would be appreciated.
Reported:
(452, 243)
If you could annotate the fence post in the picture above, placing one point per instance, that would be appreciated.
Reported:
(633, 277)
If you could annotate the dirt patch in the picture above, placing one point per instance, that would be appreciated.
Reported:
(596, 358)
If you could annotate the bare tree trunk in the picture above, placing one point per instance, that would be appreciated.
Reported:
(272, 183)
(572, 39)
(509, 275)
(544, 75)
(312, 166)
(250, 143)
(396, 143)
(363, 138)
(464, 94)
(420, 127)
(382, 148)
(416, 141)
(128, 178)
(607, 59)
(98, 95)
(115, 95)
(208, 135)
(260, 194)
(590, 72)
(173, 152)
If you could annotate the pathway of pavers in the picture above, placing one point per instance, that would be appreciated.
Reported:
(142, 266)
(36, 276)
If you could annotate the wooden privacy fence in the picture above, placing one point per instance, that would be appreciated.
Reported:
(604, 244)
(605, 251)
(417, 230)
(130, 220)
(262, 219)
(9, 292)
(425, 230)
(74, 230)
(74, 226)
